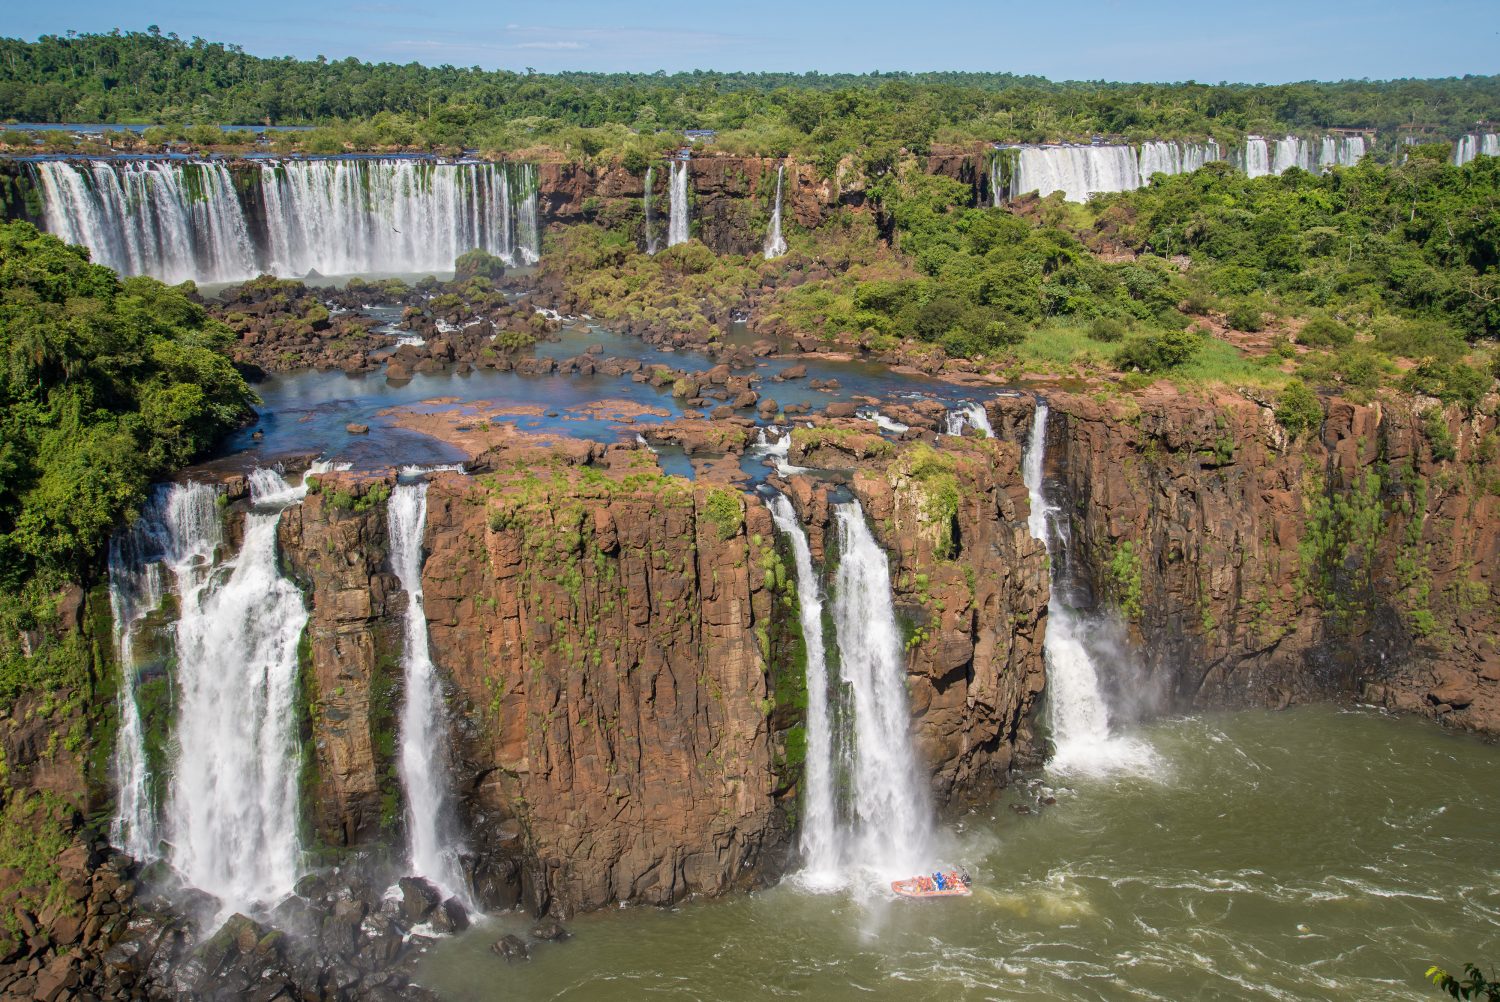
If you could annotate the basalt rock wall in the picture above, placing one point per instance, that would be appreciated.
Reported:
(731, 198)
(970, 587)
(1359, 560)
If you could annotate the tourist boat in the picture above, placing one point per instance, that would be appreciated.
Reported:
(955, 885)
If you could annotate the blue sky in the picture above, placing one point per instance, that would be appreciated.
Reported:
(1258, 42)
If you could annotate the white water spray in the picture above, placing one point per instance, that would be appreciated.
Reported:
(677, 224)
(1081, 735)
(893, 823)
(967, 415)
(430, 824)
(775, 245)
(232, 815)
(649, 204)
(175, 221)
(820, 839)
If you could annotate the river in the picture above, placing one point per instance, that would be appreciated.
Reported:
(1315, 853)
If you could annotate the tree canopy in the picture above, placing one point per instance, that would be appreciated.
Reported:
(105, 385)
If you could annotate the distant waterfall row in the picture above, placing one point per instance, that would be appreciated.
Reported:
(863, 802)
(178, 220)
(1081, 171)
(1476, 144)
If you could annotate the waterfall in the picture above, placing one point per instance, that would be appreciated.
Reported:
(1256, 159)
(777, 451)
(650, 207)
(337, 216)
(344, 217)
(1175, 158)
(775, 245)
(1081, 734)
(1076, 171)
(136, 589)
(677, 224)
(820, 839)
(1475, 144)
(968, 415)
(997, 183)
(433, 846)
(231, 813)
(882, 422)
(1290, 152)
(171, 220)
(891, 808)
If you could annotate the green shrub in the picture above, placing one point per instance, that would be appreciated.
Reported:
(724, 509)
(1439, 436)
(1247, 317)
(1106, 329)
(1322, 331)
(1158, 351)
(1298, 409)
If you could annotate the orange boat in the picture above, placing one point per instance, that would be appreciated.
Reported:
(955, 885)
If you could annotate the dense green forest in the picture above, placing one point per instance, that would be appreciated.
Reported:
(106, 385)
(149, 77)
(1366, 277)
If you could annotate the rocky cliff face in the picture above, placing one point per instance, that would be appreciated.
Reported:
(620, 660)
(1360, 560)
(351, 660)
(731, 198)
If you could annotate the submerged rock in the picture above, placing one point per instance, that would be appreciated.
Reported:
(511, 947)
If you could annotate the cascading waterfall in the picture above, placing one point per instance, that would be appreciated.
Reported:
(1076, 171)
(184, 220)
(342, 217)
(650, 206)
(775, 245)
(430, 824)
(1081, 734)
(1476, 144)
(820, 838)
(677, 224)
(1175, 158)
(1290, 152)
(136, 588)
(1255, 160)
(892, 816)
(967, 415)
(231, 815)
(175, 221)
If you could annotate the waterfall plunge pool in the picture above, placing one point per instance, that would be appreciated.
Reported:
(1315, 853)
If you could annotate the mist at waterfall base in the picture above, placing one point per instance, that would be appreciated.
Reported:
(434, 846)
(1078, 648)
(1293, 855)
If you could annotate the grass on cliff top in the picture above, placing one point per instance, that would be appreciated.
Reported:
(1067, 350)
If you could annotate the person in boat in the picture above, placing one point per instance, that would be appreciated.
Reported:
(937, 878)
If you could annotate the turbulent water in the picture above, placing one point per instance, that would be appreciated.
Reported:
(892, 817)
(775, 245)
(1076, 171)
(231, 816)
(677, 223)
(1083, 739)
(820, 836)
(966, 415)
(179, 220)
(1312, 854)
(432, 841)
